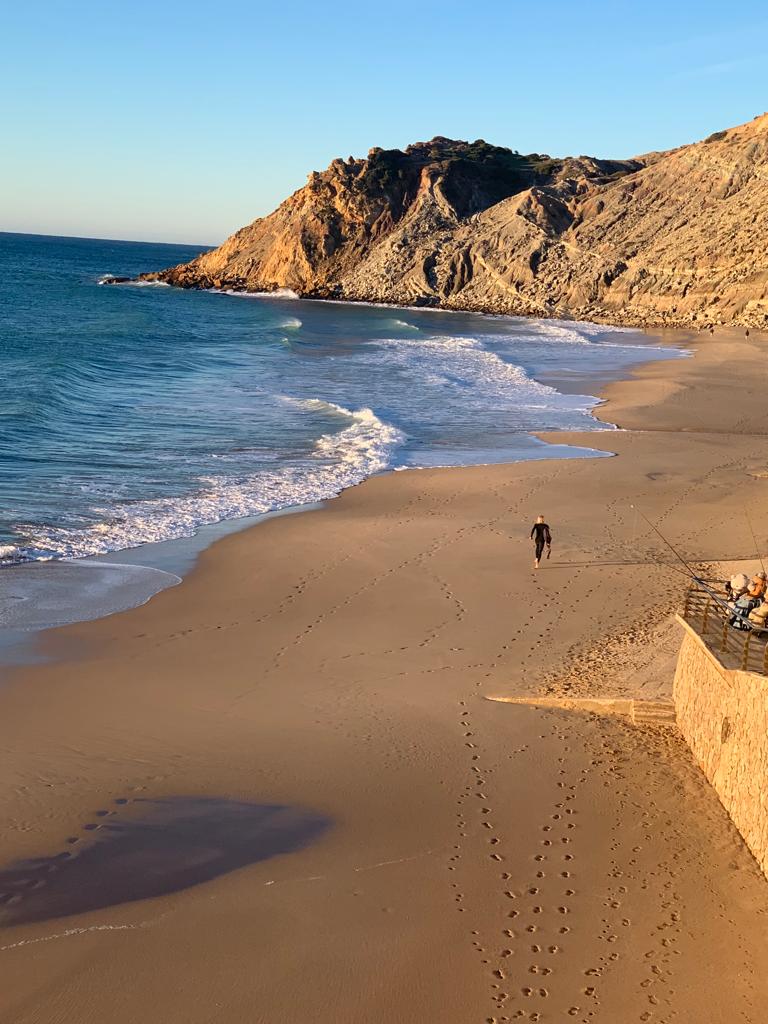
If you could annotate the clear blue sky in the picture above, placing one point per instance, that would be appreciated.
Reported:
(183, 121)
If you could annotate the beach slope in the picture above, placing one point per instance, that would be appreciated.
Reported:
(278, 792)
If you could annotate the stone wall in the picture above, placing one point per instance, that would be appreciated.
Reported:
(723, 715)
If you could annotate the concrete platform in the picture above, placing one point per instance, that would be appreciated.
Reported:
(640, 712)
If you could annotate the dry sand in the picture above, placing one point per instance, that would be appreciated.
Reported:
(483, 861)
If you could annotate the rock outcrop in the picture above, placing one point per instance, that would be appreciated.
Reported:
(674, 238)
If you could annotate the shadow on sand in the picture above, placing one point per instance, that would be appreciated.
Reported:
(138, 849)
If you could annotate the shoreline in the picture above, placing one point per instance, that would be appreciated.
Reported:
(587, 315)
(178, 556)
(340, 664)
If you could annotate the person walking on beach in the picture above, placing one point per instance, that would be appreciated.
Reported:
(541, 535)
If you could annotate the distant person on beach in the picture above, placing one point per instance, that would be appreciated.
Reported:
(541, 535)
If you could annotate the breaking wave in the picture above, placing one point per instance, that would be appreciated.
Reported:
(467, 365)
(578, 333)
(362, 447)
(157, 414)
(278, 293)
(103, 278)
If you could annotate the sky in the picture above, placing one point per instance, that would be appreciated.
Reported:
(171, 121)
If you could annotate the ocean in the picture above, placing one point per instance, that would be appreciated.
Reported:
(133, 415)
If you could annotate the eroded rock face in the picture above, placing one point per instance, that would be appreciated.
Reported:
(675, 238)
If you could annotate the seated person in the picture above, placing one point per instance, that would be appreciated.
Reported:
(757, 586)
(736, 586)
(750, 600)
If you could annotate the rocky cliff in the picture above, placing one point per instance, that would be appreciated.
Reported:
(674, 238)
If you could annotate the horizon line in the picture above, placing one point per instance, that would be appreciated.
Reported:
(104, 238)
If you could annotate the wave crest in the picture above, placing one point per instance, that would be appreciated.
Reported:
(338, 460)
(278, 293)
(9, 553)
(465, 363)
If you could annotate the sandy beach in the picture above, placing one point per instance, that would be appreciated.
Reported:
(278, 792)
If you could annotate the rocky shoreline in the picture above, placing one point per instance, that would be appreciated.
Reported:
(587, 314)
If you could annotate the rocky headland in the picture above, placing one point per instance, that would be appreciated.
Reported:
(675, 238)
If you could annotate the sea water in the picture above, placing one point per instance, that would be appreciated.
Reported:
(137, 414)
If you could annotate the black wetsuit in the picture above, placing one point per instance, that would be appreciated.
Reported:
(542, 535)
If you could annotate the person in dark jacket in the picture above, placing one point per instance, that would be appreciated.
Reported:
(541, 535)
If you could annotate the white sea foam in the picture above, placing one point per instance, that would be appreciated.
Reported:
(361, 449)
(278, 293)
(403, 325)
(461, 399)
(103, 278)
(467, 364)
(576, 325)
(578, 332)
(339, 460)
(563, 333)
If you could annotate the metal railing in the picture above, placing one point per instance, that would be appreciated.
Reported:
(708, 614)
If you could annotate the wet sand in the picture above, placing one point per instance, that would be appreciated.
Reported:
(139, 848)
(481, 861)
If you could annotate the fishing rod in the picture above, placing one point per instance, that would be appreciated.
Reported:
(699, 579)
(645, 561)
(737, 612)
(671, 547)
(754, 538)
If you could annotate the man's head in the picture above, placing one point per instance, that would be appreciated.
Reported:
(539, 519)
